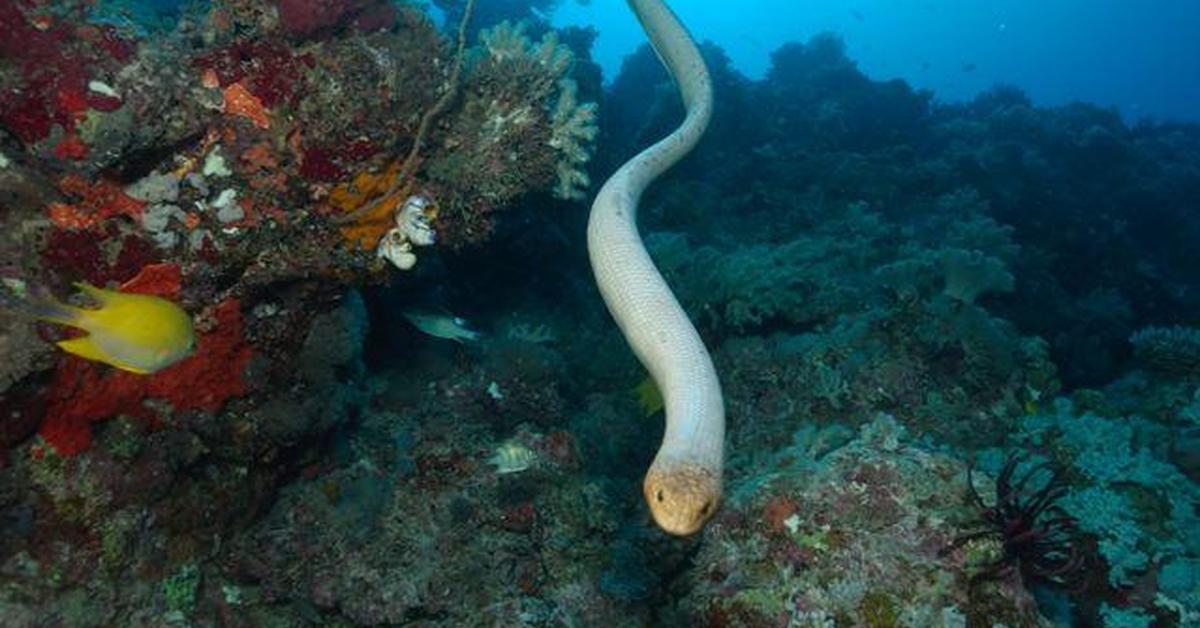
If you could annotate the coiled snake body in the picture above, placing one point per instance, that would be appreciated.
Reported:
(683, 484)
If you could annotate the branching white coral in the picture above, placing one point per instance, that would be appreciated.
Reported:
(574, 126)
(507, 41)
(551, 55)
(502, 120)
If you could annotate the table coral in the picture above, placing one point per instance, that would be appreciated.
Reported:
(970, 274)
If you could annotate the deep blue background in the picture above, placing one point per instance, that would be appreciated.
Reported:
(1142, 56)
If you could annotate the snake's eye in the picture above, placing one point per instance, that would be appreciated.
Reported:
(659, 495)
(705, 508)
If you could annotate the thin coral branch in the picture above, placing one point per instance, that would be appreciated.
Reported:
(414, 152)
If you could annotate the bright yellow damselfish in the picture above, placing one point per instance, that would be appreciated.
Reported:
(134, 332)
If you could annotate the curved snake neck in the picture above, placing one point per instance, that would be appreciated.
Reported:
(683, 484)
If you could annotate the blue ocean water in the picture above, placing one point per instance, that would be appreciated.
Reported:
(1139, 57)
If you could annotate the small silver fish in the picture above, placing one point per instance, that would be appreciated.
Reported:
(443, 325)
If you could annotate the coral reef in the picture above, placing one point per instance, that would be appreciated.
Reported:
(1173, 351)
(851, 534)
(894, 288)
(1127, 493)
(412, 229)
(209, 197)
(1039, 538)
(218, 158)
(156, 502)
(83, 392)
(367, 540)
(847, 262)
(969, 274)
(510, 131)
(836, 138)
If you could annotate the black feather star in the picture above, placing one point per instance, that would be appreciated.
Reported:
(1040, 539)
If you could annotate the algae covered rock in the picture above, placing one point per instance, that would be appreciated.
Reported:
(859, 536)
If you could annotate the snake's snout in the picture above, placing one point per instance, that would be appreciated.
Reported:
(682, 499)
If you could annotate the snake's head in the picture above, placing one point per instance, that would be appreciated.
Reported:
(682, 497)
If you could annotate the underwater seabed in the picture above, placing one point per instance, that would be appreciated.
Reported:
(958, 344)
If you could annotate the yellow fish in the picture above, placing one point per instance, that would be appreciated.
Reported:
(134, 332)
(649, 397)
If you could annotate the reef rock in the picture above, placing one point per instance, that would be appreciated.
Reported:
(856, 535)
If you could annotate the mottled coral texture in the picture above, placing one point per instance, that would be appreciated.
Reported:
(84, 392)
(856, 533)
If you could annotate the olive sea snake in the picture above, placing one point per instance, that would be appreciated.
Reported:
(683, 484)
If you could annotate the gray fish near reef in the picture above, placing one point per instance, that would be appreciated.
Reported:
(442, 325)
